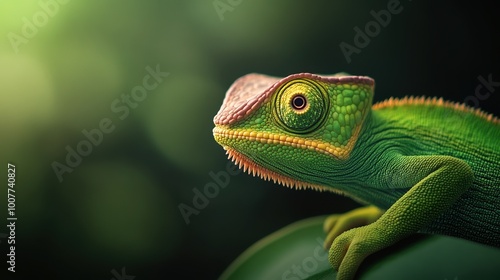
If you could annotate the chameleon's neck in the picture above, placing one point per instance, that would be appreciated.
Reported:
(356, 176)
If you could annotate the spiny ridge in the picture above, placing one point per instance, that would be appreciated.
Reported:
(254, 169)
(422, 100)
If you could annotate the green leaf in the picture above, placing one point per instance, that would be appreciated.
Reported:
(295, 252)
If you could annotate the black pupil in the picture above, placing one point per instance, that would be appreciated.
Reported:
(299, 102)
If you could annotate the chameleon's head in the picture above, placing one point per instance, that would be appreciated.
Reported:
(299, 126)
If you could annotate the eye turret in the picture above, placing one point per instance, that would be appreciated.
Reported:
(300, 106)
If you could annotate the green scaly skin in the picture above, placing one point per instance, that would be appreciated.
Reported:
(422, 165)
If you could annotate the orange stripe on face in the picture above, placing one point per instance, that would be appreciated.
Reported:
(340, 153)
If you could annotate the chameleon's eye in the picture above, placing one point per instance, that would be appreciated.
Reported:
(300, 106)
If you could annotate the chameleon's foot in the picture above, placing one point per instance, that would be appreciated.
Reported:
(336, 224)
(350, 249)
(349, 243)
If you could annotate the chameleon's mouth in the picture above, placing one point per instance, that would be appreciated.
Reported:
(251, 167)
(221, 133)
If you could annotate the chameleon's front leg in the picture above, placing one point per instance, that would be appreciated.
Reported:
(437, 182)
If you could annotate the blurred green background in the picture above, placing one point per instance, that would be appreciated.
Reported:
(63, 64)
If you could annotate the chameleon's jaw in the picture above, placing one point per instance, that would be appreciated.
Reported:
(251, 167)
(226, 137)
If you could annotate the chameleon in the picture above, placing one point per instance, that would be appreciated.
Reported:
(417, 164)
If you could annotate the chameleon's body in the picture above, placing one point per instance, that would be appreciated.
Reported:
(426, 165)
